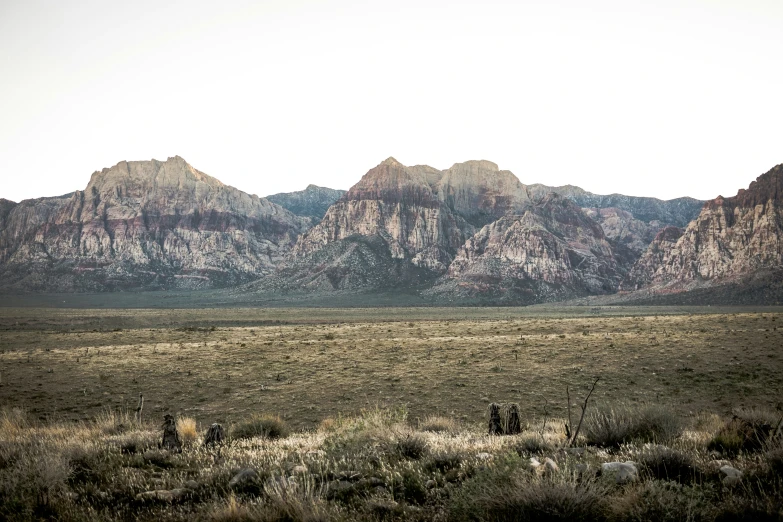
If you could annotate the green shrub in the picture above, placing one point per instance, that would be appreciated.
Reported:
(728, 440)
(749, 430)
(504, 492)
(443, 462)
(412, 447)
(613, 426)
(409, 487)
(774, 460)
(533, 444)
(665, 502)
(663, 463)
(260, 425)
(535, 502)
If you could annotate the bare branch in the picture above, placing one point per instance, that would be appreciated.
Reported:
(570, 424)
(584, 408)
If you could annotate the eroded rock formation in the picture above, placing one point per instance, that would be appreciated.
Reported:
(552, 250)
(144, 224)
(312, 202)
(731, 238)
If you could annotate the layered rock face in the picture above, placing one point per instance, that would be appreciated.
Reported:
(5, 208)
(628, 236)
(731, 238)
(397, 204)
(144, 224)
(552, 250)
(480, 192)
(678, 212)
(657, 254)
(621, 228)
(312, 202)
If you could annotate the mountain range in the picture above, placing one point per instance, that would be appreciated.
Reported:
(469, 234)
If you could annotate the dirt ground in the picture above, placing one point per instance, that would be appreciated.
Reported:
(306, 365)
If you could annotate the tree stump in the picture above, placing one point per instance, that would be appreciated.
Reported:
(215, 435)
(495, 428)
(511, 422)
(170, 436)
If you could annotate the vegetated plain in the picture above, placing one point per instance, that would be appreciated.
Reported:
(379, 414)
(219, 365)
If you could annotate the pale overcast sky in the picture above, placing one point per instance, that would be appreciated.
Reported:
(664, 98)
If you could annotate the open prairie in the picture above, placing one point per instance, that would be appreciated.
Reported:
(220, 365)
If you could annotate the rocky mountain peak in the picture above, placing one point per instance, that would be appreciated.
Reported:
(767, 187)
(475, 166)
(139, 176)
(731, 238)
(551, 250)
(481, 192)
(144, 224)
(312, 202)
(392, 162)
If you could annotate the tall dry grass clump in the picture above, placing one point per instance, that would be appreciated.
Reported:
(260, 425)
(439, 424)
(611, 426)
(115, 422)
(187, 430)
(13, 421)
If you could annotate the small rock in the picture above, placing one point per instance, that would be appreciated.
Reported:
(550, 466)
(623, 472)
(190, 484)
(430, 484)
(732, 475)
(484, 456)
(243, 478)
(533, 464)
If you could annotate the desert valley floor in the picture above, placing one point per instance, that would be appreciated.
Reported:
(306, 365)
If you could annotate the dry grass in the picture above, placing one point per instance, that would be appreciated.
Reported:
(439, 424)
(394, 409)
(363, 468)
(444, 365)
(188, 432)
